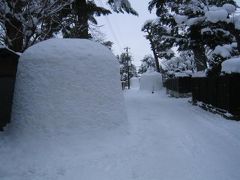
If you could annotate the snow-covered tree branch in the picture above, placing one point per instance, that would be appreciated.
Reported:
(23, 23)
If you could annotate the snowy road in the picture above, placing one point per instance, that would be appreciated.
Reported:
(169, 139)
(181, 141)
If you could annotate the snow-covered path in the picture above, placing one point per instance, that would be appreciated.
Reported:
(180, 141)
(169, 139)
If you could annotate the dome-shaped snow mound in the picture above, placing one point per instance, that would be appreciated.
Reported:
(66, 86)
(151, 81)
(134, 82)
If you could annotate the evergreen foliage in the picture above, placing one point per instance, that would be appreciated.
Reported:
(148, 62)
(23, 23)
(200, 26)
(126, 66)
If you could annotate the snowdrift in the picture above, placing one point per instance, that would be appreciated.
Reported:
(68, 86)
(151, 81)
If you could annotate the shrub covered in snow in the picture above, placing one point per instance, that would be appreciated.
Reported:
(151, 81)
(69, 87)
(231, 66)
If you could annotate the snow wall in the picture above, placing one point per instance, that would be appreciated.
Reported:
(151, 81)
(68, 86)
(134, 83)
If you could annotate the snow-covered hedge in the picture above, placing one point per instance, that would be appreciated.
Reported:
(151, 81)
(231, 65)
(68, 87)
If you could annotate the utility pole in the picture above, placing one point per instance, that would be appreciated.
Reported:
(128, 73)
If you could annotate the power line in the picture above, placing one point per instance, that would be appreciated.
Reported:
(111, 29)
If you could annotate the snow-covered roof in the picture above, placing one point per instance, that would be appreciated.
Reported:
(231, 65)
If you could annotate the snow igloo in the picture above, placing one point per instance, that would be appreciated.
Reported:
(68, 86)
(151, 81)
(134, 83)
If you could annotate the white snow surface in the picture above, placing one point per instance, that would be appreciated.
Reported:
(236, 21)
(181, 74)
(135, 83)
(229, 8)
(231, 65)
(199, 74)
(217, 15)
(151, 81)
(67, 87)
(169, 139)
(179, 19)
(224, 51)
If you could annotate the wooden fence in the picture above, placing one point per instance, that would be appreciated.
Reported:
(8, 69)
(178, 86)
(222, 93)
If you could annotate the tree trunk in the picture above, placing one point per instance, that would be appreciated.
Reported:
(197, 47)
(14, 34)
(155, 56)
(200, 57)
(82, 26)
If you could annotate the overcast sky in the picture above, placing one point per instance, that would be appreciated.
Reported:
(125, 30)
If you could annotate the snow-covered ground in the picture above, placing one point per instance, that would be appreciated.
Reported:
(169, 139)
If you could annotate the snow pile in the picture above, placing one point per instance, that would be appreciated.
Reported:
(179, 19)
(216, 15)
(229, 8)
(181, 74)
(225, 50)
(151, 81)
(134, 83)
(193, 21)
(231, 65)
(68, 113)
(236, 21)
(68, 87)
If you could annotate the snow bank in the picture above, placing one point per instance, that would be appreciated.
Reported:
(68, 87)
(134, 83)
(231, 66)
(151, 81)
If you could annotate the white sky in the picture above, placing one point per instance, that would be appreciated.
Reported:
(125, 30)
